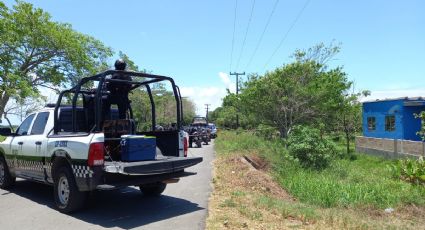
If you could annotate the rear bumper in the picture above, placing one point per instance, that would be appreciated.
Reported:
(115, 175)
(114, 181)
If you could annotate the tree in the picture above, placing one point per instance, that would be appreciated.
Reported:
(189, 110)
(349, 118)
(22, 108)
(226, 117)
(302, 92)
(38, 52)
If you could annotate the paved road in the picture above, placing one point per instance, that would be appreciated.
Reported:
(183, 205)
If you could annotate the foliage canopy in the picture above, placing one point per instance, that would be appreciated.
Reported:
(38, 52)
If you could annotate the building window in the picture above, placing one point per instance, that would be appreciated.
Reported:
(390, 123)
(371, 123)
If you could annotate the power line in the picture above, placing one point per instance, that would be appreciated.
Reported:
(233, 38)
(246, 34)
(287, 32)
(262, 34)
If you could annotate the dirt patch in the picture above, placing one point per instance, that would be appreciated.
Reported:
(257, 179)
(238, 187)
(258, 162)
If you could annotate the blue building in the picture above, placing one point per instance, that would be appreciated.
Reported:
(393, 118)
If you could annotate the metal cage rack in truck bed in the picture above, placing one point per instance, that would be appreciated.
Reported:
(79, 148)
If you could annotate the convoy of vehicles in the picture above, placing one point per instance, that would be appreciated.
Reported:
(199, 131)
(75, 147)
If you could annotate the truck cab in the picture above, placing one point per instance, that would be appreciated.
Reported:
(73, 146)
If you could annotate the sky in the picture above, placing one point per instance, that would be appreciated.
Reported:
(382, 41)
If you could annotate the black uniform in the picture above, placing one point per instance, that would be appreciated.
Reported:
(118, 92)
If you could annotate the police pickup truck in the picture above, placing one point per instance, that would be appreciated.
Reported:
(76, 147)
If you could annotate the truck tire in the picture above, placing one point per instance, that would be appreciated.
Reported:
(6, 179)
(67, 196)
(154, 189)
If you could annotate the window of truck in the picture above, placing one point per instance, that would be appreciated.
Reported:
(25, 126)
(40, 123)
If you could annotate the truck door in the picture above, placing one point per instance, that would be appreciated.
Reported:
(34, 148)
(19, 141)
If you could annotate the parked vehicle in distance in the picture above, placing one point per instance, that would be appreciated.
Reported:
(195, 136)
(79, 148)
(206, 135)
(202, 125)
(213, 129)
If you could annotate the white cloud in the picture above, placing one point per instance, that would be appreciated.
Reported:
(227, 82)
(204, 95)
(212, 95)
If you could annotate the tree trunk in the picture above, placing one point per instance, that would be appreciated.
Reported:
(283, 132)
(3, 102)
(10, 124)
(347, 137)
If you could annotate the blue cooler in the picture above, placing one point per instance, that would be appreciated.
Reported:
(138, 148)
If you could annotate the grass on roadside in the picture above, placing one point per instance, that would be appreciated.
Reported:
(363, 182)
(348, 194)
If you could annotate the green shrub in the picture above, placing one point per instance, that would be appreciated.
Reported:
(421, 132)
(410, 170)
(310, 148)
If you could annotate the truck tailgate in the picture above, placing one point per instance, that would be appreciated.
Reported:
(153, 167)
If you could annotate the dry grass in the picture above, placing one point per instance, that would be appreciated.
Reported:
(247, 198)
(233, 204)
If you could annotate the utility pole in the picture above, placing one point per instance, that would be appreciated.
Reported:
(207, 106)
(237, 93)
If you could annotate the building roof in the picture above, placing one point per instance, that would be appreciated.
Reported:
(408, 101)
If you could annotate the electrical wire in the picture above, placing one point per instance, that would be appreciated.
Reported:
(287, 32)
(246, 34)
(233, 37)
(262, 34)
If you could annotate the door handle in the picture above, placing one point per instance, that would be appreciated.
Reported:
(38, 142)
(20, 143)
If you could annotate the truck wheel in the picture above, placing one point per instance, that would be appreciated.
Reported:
(154, 189)
(6, 179)
(67, 196)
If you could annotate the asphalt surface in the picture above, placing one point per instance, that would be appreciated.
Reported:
(183, 205)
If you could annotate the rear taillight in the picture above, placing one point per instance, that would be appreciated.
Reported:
(96, 156)
(185, 146)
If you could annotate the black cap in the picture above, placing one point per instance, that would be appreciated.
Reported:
(120, 64)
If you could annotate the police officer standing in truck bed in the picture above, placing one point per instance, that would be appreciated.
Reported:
(118, 92)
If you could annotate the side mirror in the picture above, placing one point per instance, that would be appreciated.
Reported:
(5, 132)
